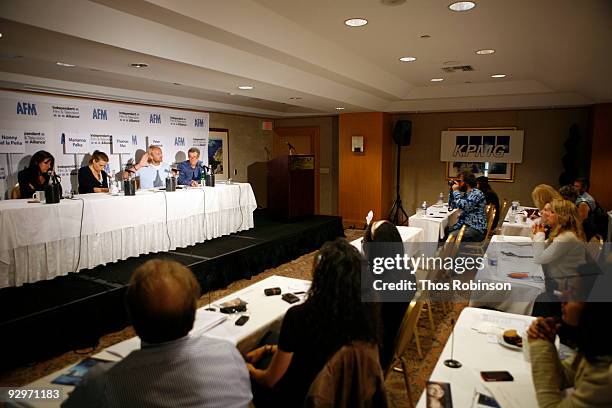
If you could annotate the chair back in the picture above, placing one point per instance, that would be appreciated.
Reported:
(458, 241)
(490, 220)
(502, 213)
(15, 192)
(406, 332)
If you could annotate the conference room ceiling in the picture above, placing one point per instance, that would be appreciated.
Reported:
(301, 59)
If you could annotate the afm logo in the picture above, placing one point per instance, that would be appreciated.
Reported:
(199, 122)
(155, 118)
(100, 114)
(179, 141)
(26, 108)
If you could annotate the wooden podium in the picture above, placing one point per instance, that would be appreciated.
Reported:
(291, 186)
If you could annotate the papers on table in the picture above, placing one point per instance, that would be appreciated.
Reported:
(204, 321)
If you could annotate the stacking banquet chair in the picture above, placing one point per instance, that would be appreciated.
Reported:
(479, 248)
(15, 192)
(502, 216)
(407, 331)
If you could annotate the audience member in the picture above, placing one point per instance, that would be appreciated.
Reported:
(570, 193)
(35, 177)
(172, 369)
(582, 185)
(472, 206)
(190, 171)
(482, 183)
(560, 255)
(588, 372)
(542, 194)
(93, 178)
(332, 316)
(385, 234)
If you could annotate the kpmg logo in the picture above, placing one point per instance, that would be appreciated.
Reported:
(199, 122)
(179, 141)
(26, 108)
(155, 118)
(100, 114)
(481, 146)
(134, 140)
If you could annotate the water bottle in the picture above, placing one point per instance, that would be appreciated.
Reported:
(441, 198)
(112, 184)
(424, 206)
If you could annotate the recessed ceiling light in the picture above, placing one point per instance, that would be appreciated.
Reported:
(425, 36)
(356, 22)
(64, 64)
(498, 76)
(139, 65)
(295, 98)
(437, 79)
(0, 35)
(177, 83)
(339, 108)
(245, 87)
(485, 51)
(407, 59)
(462, 5)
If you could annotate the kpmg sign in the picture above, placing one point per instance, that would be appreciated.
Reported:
(496, 146)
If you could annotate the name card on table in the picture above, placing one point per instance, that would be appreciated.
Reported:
(76, 143)
(12, 141)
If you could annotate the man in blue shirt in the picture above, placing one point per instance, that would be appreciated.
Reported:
(472, 206)
(172, 368)
(190, 171)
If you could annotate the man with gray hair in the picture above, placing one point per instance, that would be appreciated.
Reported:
(190, 171)
(172, 368)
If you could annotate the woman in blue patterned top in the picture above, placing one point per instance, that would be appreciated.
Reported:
(472, 205)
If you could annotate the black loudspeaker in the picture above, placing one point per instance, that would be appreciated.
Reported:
(402, 132)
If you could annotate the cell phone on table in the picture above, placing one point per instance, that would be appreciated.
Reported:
(490, 376)
(290, 298)
(242, 320)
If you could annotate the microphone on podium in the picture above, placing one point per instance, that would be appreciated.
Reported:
(291, 148)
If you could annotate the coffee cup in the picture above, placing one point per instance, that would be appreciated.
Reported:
(39, 196)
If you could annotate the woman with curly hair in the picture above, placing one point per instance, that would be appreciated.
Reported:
(332, 316)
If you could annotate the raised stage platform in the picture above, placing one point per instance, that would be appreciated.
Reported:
(46, 318)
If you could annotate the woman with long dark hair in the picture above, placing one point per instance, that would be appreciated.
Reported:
(382, 239)
(332, 316)
(589, 371)
(35, 177)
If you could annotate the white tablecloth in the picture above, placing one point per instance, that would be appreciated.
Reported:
(408, 234)
(265, 313)
(521, 298)
(520, 228)
(477, 352)
(40, 241)
(434, 223)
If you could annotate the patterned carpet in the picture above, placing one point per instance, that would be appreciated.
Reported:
(419, 368)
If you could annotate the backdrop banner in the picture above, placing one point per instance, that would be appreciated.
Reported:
(494, 146)
(71, 128)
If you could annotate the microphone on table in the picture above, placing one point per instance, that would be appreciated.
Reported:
(291, 148)
(451, 362)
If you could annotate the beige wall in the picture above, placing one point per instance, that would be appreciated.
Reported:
(328, 154)
(246, 141)
(423, 176)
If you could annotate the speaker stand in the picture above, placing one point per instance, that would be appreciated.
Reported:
(397, 214)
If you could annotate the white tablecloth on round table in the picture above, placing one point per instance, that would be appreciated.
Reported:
(408, 234)
(435, 222)
(39, 241)
(521, 298)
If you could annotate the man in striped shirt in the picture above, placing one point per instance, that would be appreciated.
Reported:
(171, 369)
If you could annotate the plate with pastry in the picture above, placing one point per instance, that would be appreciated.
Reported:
(511, 339)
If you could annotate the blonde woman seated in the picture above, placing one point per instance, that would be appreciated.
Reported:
(541, 195)
(562, 252)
